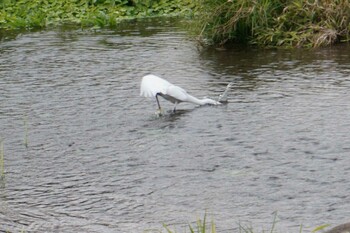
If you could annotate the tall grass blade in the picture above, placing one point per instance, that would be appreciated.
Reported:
(274, 222)
(213, 227)
(319, 228)
(191, 229)
(301, 228)
(167, 228)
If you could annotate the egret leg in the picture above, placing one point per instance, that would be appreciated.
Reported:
(158, 102)
(159, 111)
(174, 110)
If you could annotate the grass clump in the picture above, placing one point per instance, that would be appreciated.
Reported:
(201, 226)
(290, 23)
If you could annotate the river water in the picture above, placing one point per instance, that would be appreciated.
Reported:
(83, 152)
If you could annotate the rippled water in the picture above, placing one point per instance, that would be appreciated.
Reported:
(99, 160)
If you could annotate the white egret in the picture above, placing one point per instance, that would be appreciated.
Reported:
(154, 86)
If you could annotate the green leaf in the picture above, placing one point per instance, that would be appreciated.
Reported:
(320, 228)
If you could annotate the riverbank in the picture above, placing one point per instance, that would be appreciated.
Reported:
(274, 23)
(264, 23)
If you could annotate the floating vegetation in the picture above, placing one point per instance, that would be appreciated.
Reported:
(265, 23)
(29, 14)
(296, 23)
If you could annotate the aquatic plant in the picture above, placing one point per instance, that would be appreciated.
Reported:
(319, 228)
(28, 14)
(295, 23)
(201, 226)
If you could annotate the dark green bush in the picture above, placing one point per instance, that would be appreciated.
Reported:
(300, 23)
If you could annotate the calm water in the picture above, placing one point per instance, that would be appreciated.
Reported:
(99, 160)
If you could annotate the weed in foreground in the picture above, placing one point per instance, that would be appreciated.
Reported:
(201, 226)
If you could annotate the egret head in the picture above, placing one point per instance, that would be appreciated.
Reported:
(223, 97)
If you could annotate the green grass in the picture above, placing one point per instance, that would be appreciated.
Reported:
(288, 23)
(31, 14)
(265, 23)
(202, 226)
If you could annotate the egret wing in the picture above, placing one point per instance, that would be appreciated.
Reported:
(151, 85)
(179, 94)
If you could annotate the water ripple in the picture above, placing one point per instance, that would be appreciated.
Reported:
(99, 160)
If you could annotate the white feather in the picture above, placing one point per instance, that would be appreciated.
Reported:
(152, 86)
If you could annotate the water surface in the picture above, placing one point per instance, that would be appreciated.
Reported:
(99, 160)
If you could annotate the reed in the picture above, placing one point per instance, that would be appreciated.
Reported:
(294, 23)
(201, 226)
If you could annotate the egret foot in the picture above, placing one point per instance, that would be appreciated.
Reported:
(159, 112)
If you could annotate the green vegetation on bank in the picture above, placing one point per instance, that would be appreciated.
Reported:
(288, 23)
(29, 14)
